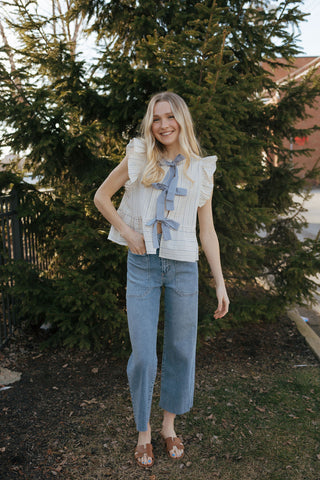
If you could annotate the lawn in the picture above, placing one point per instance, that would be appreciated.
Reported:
(255, 416)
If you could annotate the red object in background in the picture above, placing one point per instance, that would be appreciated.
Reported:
(300, 140)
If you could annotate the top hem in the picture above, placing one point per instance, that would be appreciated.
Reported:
(163, 253)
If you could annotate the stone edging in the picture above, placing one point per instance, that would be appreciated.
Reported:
(8, 376)
(311, 337)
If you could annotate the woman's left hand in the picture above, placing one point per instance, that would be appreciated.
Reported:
(223, 302)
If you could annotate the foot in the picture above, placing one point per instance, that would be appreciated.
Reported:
(170, 434)
(144, 439)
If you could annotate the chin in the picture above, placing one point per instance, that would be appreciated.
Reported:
(169, 141)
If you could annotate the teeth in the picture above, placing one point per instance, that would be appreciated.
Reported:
(168, 133)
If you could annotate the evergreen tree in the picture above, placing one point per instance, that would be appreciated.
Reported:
(52, 114)
(217, 55)
(73, 118)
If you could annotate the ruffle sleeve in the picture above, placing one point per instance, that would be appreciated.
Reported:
(136, 154)
(208, 167)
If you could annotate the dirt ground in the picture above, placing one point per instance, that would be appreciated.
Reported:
(70, 413)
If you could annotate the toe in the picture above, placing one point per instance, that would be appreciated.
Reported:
(173, 452)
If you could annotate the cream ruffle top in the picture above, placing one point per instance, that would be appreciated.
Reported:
(173, 202)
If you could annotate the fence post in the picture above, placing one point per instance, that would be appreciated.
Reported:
(16, 227)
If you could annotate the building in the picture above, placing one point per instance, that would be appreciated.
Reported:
(300, 67)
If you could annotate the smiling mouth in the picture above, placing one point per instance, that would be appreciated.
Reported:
(166, 133)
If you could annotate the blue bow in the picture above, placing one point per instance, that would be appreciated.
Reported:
(170, 193)
(166, 198)
(171, 180)
(166, 224)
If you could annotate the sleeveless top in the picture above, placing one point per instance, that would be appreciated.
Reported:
(173, 202)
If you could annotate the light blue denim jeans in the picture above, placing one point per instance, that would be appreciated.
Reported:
(146, 275)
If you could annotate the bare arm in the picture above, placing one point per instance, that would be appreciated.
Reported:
(210, 246)
(102, 200)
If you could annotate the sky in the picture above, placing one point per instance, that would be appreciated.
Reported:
(310, 30)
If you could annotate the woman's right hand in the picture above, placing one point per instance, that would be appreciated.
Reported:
(135, 242)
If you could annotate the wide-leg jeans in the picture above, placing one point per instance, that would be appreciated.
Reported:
(146, 275)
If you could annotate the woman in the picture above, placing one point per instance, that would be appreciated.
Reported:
(167, 185)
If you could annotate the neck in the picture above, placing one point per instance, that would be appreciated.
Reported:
(171, 153)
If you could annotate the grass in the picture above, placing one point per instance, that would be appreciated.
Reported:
(245, 425)
(265, 427)
(256, 415)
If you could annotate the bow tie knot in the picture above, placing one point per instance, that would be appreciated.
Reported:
(173, 163)
(168, 189)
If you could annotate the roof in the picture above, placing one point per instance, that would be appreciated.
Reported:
(298, 67)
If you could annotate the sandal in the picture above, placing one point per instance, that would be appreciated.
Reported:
(141, 450)
(174, 442)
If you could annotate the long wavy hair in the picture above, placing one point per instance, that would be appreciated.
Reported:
(155, 150)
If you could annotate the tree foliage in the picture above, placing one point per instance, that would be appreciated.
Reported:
(71, 117)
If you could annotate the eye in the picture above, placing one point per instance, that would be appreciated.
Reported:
(171, 116)
(155, 120)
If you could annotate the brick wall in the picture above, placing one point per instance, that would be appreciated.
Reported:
(312, 141)
(301, 65)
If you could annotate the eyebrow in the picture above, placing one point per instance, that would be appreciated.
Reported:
(166, 113)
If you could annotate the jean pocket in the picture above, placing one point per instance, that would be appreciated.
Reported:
(186, 278)
(138, 274)
(137, 254)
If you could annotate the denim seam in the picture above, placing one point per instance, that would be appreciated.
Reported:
(154, 373)
(136, 407)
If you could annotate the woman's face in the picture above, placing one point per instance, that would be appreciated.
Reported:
(165, 128)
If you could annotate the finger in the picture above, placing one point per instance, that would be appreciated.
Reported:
(222, 309)
(219, 307)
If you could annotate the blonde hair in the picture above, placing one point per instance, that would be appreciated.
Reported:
(154, 149)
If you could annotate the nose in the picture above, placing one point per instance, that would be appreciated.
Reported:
(164, 122)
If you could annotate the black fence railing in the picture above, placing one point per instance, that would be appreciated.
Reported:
(10, 250)
(18, 242)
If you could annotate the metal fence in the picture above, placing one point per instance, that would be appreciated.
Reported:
(18, 242)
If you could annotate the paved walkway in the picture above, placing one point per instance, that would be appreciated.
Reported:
(312, 214)
(311, 316)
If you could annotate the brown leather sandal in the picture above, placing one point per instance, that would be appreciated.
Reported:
(140, 450)
(174, 442)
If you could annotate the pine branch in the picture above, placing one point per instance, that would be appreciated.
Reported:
(206, 39)
(8, 49)
(219, 64)
(280, 19)
(14, 79)
(71, 38)
(26, 13)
